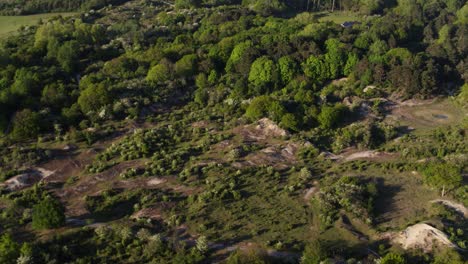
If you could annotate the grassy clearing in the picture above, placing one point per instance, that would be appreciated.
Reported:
(9, 24)
(338, 17)
(429, 115)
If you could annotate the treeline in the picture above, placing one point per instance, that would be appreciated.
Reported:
(70, 74)
(26, 7)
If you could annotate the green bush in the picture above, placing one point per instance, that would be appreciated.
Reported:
(49, 213)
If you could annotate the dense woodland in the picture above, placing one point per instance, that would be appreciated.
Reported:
(76, 79)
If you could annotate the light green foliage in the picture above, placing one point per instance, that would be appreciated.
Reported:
(159, 73)
(313, 253)
(288, 68)
(9, 249)
(186, 66)
(239, 51)
(462, 14)
(392, 258)
(442, 176)
(26, 125)
(351, 62)
(265, 106)
(463, 95)
(48, 213)
(263, 72)
(94, 97)
(335, 57)
(332, 116)
(202, 244)
(316, 69)
(448, 256)
(289, 121)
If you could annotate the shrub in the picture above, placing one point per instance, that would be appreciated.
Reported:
(49, 213)
(26, 124)
(332, 116)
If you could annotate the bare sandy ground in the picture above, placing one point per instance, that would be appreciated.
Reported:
(422, 236)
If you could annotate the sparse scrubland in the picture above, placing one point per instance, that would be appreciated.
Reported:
(254, 131)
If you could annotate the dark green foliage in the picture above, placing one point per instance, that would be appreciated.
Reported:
(26, 125)
(94, 97)
(332, 116)
(48, 213)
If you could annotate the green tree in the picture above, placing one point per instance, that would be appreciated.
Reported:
(9, 249)
(258, 108)
(335, 57)
(26, 82)
(159, 73)
(351, 62)
(94, 97)
(263, 72)
(186, 66)
(288, 69)
(332, 116)
(290, 122)
(442, 176)
(67, 56)
(48, 213)
(26, 125)
(392, 258)
(316, 69)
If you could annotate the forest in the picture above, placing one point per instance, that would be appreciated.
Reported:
(173, 131)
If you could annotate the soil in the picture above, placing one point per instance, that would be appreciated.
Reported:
(422, 236)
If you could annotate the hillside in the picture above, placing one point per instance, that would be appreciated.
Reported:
(235, 132)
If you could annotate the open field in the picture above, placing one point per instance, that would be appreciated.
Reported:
(428, 114)
(9, 24)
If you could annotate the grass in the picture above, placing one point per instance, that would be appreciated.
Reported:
(10, 24)
(338, 17)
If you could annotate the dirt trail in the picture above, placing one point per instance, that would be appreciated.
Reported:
(456, 206)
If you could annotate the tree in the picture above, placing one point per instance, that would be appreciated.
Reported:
(316, 69)
(9, 249)
(26, 82)
(258, 107)
(287, 68)
(26, 124)
(442, 176)
(68, 55)
(94, 97)
(159, 73)
(289, 121)
(332, 116)
(263, 72)
(186, 66)
(335, 57)
(353, 59)
(392, 258)
(48, 213)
